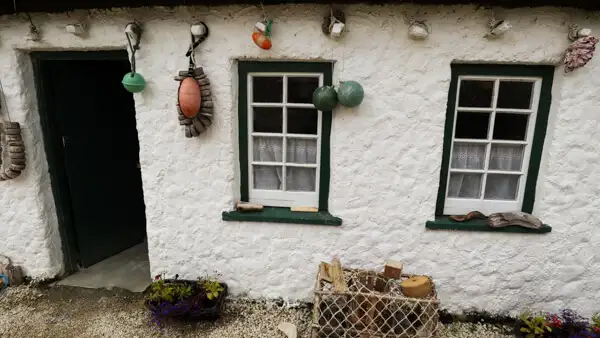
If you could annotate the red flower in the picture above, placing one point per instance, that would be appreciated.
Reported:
(157, 277)
(596, 329)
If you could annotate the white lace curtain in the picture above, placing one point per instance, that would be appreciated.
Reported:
(270, 149)
(498, 186)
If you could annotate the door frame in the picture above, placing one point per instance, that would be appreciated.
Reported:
(54, 150)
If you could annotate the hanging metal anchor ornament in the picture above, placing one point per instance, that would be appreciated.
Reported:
(194, 102)
(133, 82)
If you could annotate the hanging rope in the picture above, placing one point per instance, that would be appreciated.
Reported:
(3, 102)
(136, 29)
(194, 43)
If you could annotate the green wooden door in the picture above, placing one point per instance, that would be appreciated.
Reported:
(95, 119)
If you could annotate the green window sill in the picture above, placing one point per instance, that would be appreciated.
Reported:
(444, 223)
(283, 215)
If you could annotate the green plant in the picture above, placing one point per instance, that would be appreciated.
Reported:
(534, 325)
(596, 323)
(170, 292)
(212, 287)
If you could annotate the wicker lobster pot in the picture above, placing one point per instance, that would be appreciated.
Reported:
(373, 306)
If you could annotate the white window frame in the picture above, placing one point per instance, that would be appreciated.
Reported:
(282, 198)
(458, 206)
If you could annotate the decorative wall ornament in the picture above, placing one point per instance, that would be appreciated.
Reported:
(350, 94)
(325, 98)
(334, 23)
(13, 142)
(262, 31)
(496, 28)
(194, 102)
(133, 82)
(579, 53)
(576, 33)
(262, 34)
(78, 29)
(418, 30)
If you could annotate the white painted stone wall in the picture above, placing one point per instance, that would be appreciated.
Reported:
(386, 154)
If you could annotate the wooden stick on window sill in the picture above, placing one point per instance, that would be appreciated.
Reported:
(304, 209)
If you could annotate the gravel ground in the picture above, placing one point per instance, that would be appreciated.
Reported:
(72, 312)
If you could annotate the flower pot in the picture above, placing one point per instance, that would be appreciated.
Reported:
(194, 308)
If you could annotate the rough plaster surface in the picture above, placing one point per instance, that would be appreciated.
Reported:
(386, 154)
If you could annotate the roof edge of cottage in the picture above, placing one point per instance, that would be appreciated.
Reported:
(7, 7)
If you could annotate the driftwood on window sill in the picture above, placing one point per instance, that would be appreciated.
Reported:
(468, 217)
(518, 218)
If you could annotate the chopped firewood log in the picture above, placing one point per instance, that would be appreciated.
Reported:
(393, 269)
(324, 269)
(337, 276)
(304, 209)
(247, 207)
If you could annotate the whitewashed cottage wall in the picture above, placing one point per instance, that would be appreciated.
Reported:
(385, 155)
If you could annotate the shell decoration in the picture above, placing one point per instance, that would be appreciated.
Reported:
(196, 121)
(16, 151)
(189, 97)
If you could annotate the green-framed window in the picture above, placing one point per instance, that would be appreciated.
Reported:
(284, 140)
(495, 128)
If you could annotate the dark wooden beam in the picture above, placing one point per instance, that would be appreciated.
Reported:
(7, 7)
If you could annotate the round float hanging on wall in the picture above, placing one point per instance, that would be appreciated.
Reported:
(134, 82)
(189, 97)
(325, 98)
(350, 94)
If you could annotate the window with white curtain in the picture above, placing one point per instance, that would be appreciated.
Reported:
(284, 134)
(492, 132)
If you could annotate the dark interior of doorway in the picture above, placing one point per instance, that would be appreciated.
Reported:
(91, 143)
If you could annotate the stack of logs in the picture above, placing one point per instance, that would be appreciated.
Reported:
(366, 303)
(16, 151)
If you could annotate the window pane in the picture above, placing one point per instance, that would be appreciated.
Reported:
(267, 120)
(468, 156)
(301, 151)
(506, 157)
(302, 121)
(300, 89)
(515, 94)
(476, 93)
(464, 185)
(267, 177)
(300, 179)
(267, 149)
(510, 127)
(267, 89)
(472, 125)
(501, 187)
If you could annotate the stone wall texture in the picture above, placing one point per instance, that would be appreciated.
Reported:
(386, 154)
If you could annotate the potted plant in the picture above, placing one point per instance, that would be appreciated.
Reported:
(185, 300)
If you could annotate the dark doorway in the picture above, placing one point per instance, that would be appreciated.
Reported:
(91, 142)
